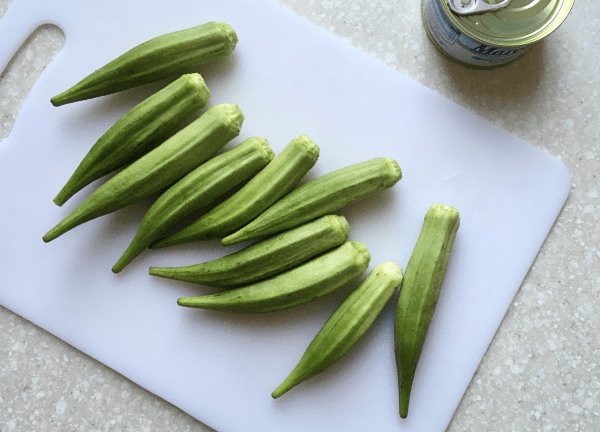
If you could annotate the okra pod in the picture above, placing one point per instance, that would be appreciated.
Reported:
(302, 284)
(266, 258)
(197, 189)
(161, 57)
(139, 131)
(159, 168)
(267, 187)
(323, 195)
(420, 290)
(346, 326)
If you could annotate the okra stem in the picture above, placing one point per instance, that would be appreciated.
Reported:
(267, 187)
(198, 189)
(138, 131)
(159, 168)
(323, 195)
(265, 258)
(161, 57)
(420, 291)
(346, 326)
(302, 284)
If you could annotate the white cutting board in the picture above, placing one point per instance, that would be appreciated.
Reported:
(289, 78)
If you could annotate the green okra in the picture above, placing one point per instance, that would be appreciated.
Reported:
(420, 290)
(140, 130)
(163, 56)
(346, 326)
(159, 168)
(323, 195)
(266, 258)
(198, 189)
(302, 284)
(266, 188)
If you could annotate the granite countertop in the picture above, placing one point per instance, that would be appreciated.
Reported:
(540, 372)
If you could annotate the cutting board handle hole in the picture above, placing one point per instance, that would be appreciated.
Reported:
(24, 69)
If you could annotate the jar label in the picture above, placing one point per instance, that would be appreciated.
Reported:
(460, 46)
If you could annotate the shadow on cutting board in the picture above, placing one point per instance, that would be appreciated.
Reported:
(510, 87)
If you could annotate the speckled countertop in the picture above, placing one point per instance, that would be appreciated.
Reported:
(541, 371)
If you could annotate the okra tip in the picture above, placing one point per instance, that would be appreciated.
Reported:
(404, 405)
(391, 269)
(165, 272)
(362, 255)
(199, 87)
(281, 390)
(182, 301)
(232, 115)
(190, 301)
(230, 35)
(54, 233)
(262, 145)
(68, 96)
(394, 171)
(125, 259)
(292, 380)
(135, 248)
(62, 197)
(438, 209)
(340, 222)
(309, 145)
(154, 271)
(234, 238)
(405, 387)
(195, 79)
(60, 99)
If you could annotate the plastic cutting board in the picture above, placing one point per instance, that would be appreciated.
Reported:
(289, 78)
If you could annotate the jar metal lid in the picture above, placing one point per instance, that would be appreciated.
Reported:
(521, 22)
